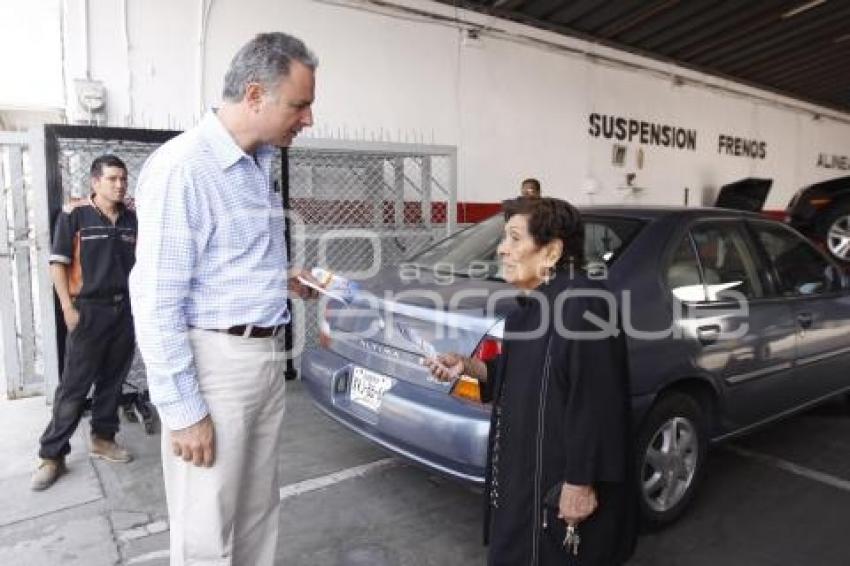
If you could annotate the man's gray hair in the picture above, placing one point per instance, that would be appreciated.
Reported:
(265, 60)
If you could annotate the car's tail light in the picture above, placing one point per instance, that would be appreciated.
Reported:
(467, 387)
(488, 349)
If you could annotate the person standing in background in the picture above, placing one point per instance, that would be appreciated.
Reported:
(530, 188)
(93, 252)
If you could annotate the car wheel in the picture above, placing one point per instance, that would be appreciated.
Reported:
(671, 452)
(835, 230)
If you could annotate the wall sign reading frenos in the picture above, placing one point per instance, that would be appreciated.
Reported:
(741, 147)
(647, 133)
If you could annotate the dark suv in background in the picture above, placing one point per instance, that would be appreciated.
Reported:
(822, 212)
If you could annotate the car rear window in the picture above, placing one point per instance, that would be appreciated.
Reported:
(473, 250)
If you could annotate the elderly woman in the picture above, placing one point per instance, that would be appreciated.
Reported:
(559, 451)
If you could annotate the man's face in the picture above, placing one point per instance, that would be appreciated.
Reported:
(111, 186)
(282, 117)
(529, 190)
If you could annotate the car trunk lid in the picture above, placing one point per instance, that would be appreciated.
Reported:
(391, 330)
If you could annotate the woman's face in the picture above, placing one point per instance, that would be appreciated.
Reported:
(524, 263)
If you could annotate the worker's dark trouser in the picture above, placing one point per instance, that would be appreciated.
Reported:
(98, 352)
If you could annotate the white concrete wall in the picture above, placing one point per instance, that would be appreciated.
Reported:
(30, 55)
(515, 104)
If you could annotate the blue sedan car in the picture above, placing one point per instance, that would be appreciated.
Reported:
(732, 321)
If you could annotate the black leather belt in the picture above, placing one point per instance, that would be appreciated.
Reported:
(106, 299)
(251, 331)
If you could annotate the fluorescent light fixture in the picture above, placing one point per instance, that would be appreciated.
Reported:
(805, 7)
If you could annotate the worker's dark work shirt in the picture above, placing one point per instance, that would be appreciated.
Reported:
(99, 255)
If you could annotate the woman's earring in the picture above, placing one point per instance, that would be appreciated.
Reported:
(548, 275)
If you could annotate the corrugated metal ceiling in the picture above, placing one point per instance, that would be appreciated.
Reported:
(796, 47)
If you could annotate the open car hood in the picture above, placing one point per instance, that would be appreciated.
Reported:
(747, 194)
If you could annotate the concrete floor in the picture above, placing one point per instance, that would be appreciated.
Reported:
(781, 496)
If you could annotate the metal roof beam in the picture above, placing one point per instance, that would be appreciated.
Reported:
(760, 19)
(672, 19)
(508, 4)
(565, 12)
(611, 12)
(823, 57)
(649, 11)
(665, 41)
(763, 46)
(823, 77)
(788, 54)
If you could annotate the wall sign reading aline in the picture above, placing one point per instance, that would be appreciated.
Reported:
(834, 161)
(741, 147)
(647, 133)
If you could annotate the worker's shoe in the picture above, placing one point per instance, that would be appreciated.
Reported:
(48, 472)
(108, 450)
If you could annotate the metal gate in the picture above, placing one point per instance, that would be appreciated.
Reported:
(365, 205)
(24, 275)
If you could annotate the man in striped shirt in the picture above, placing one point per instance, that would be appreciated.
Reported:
(209, 295)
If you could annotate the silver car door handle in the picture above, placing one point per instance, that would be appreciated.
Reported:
(804, 319)
(708, 334)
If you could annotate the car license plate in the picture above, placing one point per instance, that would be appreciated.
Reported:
(368, 388)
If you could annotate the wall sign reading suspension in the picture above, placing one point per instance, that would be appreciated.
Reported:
(647, 133)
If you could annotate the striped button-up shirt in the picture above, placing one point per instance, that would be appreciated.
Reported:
(210, 254)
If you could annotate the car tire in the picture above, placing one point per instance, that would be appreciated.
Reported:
(671, 450)
(834, 223)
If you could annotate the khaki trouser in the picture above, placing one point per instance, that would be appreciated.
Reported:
(228, 514)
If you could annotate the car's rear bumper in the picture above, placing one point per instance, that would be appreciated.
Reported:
(421, 424)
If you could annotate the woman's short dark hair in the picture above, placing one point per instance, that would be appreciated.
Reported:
(550, 218)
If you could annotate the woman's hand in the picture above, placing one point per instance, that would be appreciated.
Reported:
(577, 503)
(445, 367)
(299, 289)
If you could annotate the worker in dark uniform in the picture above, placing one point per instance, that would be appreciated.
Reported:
(93, 252)
(530, 188)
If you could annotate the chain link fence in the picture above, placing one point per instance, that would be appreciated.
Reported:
(363, 206)
(76, 155)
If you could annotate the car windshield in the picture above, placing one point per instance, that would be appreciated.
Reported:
(472, 251)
